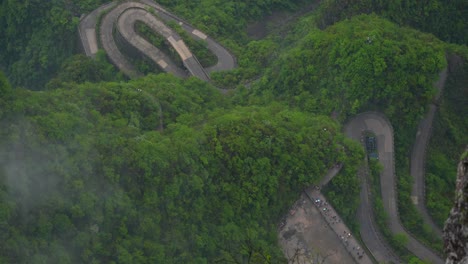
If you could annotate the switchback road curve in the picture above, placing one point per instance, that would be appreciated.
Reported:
(381, 127)
(119, 19)
(418, 157)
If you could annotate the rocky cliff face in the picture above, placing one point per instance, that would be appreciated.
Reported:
(456, 226)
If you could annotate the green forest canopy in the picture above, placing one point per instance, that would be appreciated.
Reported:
(445, 19)
(37, 36)
(361, 63)
(161, 169)
(89, 176)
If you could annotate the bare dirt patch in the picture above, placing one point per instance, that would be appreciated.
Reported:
(306, 237)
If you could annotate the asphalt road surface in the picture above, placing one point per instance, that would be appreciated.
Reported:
(109, 44)
(381, 127)
(336, 224)
(226, 61)
(126, 27)
(124, 15)
(418, 157)
(306, 237)
(87, 30)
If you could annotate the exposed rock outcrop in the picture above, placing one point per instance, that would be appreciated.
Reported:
(456, 226)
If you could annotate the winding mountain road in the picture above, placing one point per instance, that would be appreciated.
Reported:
(121, 18)
(87, 29)
(381, 127)
(354, 129)
(418, 157)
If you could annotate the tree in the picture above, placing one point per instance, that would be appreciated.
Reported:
(400, 240)
(5, 94)
(361, 63)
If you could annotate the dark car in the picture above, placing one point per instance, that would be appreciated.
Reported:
(370, 144)
(371, 147)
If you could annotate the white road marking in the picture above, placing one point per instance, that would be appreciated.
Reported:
(162, 63)
(180, 47)
(199, 34)
(91, 35)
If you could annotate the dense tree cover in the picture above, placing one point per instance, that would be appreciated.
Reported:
(37, 36)
(80, 69)
(438, 192)
(5, 94)
(224, 18)
(156, 170)
(343, 191)
(448, 141)
(361, 63)
(160, 169)
(254, 59)
(448, 20)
